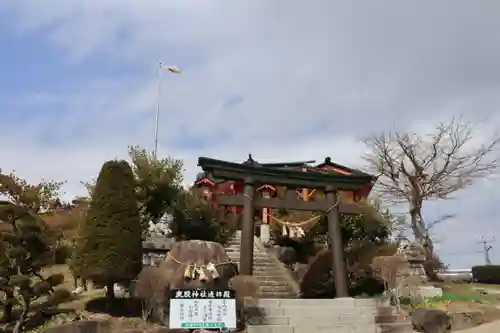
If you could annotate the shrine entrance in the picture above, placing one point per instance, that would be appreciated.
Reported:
(254, 175)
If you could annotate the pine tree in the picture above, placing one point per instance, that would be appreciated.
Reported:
(24, 251)
(111, 250)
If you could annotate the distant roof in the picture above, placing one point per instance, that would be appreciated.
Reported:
(285, 165)
(328, 162)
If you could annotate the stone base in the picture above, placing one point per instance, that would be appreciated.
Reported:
(265, 233)
(429, 291)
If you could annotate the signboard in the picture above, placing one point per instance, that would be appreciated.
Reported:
(202, 308)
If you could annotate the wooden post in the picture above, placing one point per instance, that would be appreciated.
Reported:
(335, 243)
(247, 229)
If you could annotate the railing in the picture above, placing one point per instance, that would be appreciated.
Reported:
(463, 275)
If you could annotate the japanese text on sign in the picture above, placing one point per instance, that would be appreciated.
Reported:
(200, 308)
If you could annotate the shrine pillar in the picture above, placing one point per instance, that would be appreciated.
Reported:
(247, 229)
(335, 243)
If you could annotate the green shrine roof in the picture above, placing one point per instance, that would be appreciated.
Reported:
(282, 173)
(293, 166)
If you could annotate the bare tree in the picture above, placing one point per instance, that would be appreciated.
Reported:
(414, 168)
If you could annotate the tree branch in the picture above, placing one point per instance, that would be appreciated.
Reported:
(415, 167)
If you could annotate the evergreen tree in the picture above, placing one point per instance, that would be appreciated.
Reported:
(194, 218)
(111, 250)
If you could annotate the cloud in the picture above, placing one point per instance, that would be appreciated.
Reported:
(284, 80)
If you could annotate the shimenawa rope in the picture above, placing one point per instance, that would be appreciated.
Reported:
(194, 271)
(295, 228)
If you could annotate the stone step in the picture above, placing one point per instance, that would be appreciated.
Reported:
(298, 311)
(326, 302)
(270, 329)
(276, 286)
(266, 268)
(312, 327)
(275, 289)
(272, 273)
(275, 282)
(272, 280)
(263, 278)
(269, 275)
(255, 260)
(282, 295)
(325, 319)
(236, 256)
(311, 308)
(263, 262)
(288, 321)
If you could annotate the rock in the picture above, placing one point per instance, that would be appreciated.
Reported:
(78, 291)
(431, 321)
(190, 265)
(299, 270)
(287, 255)
(466, 319)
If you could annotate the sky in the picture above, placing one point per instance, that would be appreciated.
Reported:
(285, 80)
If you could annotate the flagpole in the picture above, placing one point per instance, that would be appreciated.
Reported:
(157, 120)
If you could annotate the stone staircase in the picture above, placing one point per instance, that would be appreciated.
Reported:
(279, 310)
(341, 315)
(273, 278)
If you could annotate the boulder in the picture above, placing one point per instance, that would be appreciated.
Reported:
(466, 319)
(431, 321)
(189, 265)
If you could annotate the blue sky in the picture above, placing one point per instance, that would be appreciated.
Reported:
(283, 80)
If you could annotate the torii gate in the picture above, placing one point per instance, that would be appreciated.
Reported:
(254, 175)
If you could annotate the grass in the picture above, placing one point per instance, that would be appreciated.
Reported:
(458, 297)
(458, 292)
(487, 286)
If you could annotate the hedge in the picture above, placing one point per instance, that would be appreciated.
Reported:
(487, 274)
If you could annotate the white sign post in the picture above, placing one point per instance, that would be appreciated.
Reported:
(202, 308)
